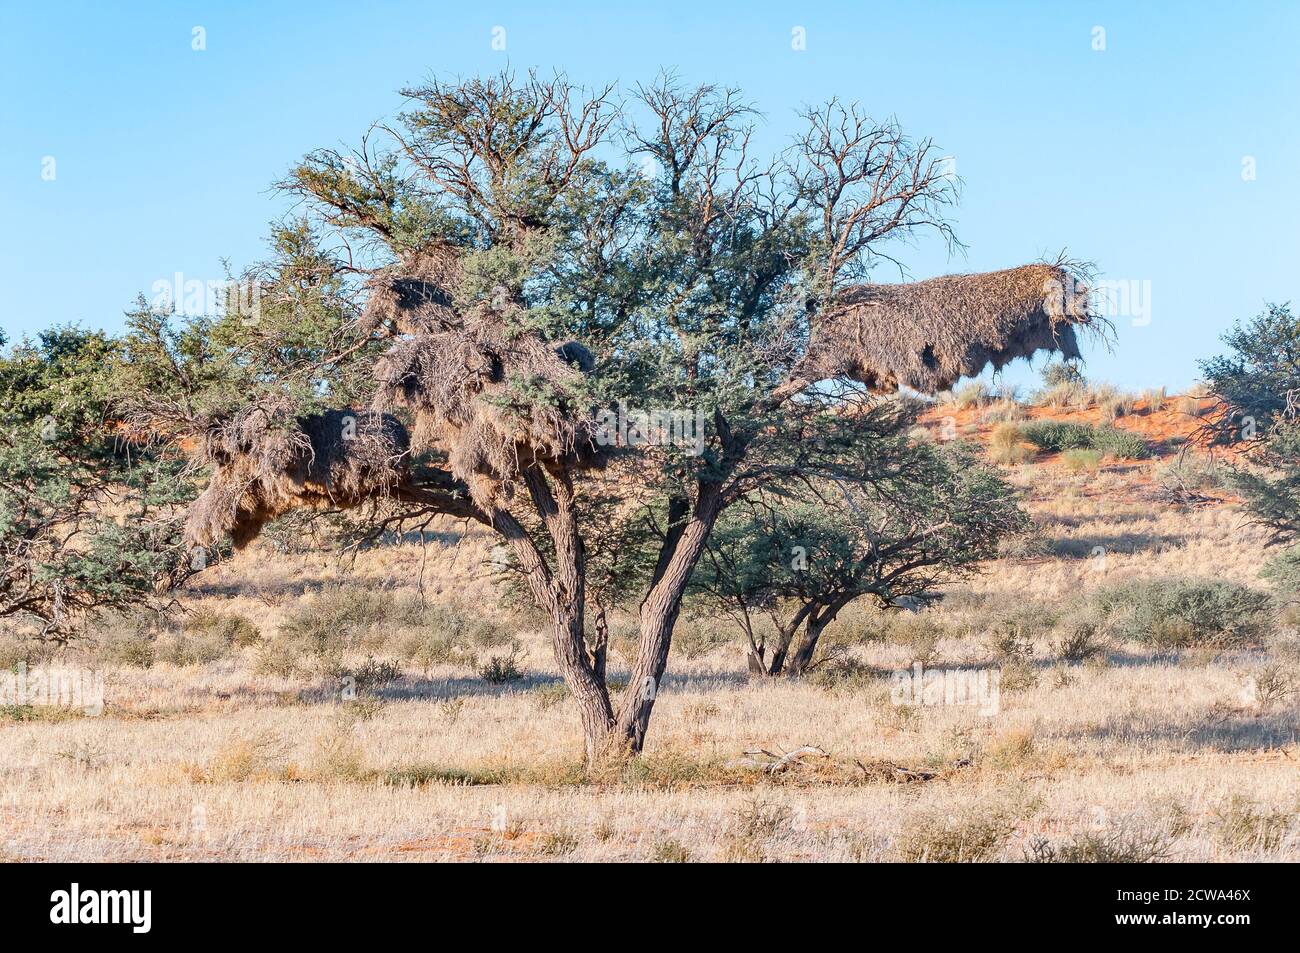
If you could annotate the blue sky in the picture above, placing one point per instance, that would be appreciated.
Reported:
(1131, 155)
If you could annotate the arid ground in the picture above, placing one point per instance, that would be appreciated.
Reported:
(226, 736)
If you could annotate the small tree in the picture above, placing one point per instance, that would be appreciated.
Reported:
(84, 516)
(928, 516)
(536, 265)
(1258, 387)
(1258, 382)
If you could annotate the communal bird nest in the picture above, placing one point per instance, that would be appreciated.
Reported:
(495, 396)
(414, 296)
(266, 463)
(928, 334)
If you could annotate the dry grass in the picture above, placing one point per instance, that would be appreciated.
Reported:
(1101, 748)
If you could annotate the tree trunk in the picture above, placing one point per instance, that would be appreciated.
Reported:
(587, 689)
(784, 636)
(600, 649)
(659, 612)
(563, 593)
(803, 655)
(817, 623)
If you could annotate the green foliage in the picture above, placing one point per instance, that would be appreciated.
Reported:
(1080, 459)
(1184, 613)
(1256, 382)
(929, 514)
(1272, 489)
(83, 521)
(1262, 368)
(502, 669)
(1284, 572)
(1055, 435)
(1057, 373)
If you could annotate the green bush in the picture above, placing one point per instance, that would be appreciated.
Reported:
(1061, 373)
(1080, 459)
(502, 669)
(227, 628)
(337, 618)
(344, 618)
(1183, 613)
(1058, 436)
(1284, 572)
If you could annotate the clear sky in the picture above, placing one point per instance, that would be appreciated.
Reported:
(1138, 155)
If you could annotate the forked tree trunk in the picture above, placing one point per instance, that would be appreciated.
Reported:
(818, 620)
(587, 689)
(659, 612)
(776, 662)
(562, 592)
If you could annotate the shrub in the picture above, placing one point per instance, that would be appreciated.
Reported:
(336, 618)
(549, 694)
(1284, 572)
(1189, 405)
(1115, 404)
(229, 628)
(1063, 395)
(1079, 459)
(1053, 435)
(1194, 471)
(126, 639)
(918, 632)
(669, 851)
(203, 637)
(1020, 624)
(241, 759)
(1080, 638)
(370, 674)
(1130, 844)
(1006, 445)
(1155, 399)
(277, 658)
(338, 756)
(1273, 684)
(970, 394)
(1243, 825)
(557, 844)
(939, 837)
(1058, 373)
(1183, 613)
(501, 669)
(1006, 412)
(1121, 444)
(698, 638)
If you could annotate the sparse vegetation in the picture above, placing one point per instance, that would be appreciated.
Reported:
(1007, 445)
(429, 609)
(1059, 436)
(1079, 459)
(1183, 613)
(973, 835)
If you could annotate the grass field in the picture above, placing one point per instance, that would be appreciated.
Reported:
(248, 746)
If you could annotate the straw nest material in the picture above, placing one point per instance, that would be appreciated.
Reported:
(265, 464)
(415, 296)
(496, 400)
(928, 334)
